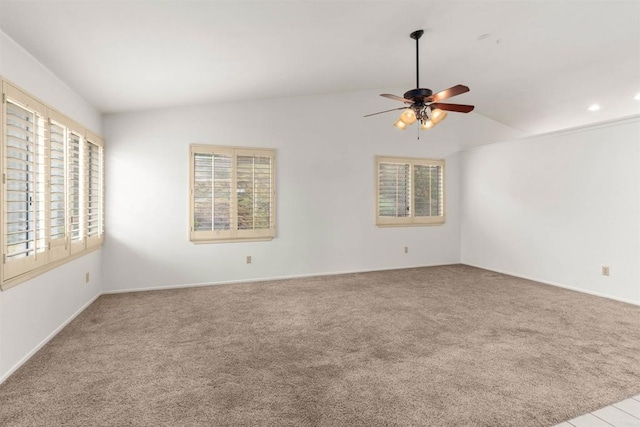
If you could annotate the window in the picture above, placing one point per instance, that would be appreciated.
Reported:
(53, 175)
(409, 191)
(232, 194)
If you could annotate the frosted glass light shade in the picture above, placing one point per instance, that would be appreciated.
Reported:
(408, 116)
(400, 124)
(438, 115)
(427, 124)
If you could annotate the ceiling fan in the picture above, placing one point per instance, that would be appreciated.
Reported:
(422, 105)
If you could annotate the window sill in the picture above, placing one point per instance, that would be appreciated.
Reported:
(253, 239)
(422, 224)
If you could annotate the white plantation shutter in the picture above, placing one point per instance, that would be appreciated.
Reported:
(94, 184)
(394, 195)
(58, 245)
(429, 190)
(232, 194)
(409, 191)
(212, 193)
(24, 177)
(75, 176)
(254, 194)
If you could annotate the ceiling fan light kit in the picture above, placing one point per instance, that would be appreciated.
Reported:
(422, 105)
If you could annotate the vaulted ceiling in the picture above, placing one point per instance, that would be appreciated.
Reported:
(535, 66)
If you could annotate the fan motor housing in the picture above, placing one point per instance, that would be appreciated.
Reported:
(418, 95)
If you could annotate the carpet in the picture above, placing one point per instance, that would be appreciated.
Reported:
(435, 346)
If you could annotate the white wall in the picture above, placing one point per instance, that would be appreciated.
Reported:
(32, 311)
(557, 207)
(325, 191)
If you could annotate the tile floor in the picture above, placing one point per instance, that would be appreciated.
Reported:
(621, 414)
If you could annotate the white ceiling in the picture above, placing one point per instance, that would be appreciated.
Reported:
(533, 65)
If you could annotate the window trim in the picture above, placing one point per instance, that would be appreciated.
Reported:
(412, 220)
(57, 251)
(231, 235)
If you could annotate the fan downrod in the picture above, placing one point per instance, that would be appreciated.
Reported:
(416, 36)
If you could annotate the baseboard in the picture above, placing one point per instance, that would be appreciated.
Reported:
(559, 285)
(266, 279)
(28, 356)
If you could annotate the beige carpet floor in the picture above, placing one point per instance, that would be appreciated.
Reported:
(438, 346)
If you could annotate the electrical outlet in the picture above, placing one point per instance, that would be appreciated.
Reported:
(605, 270)
(86, 277)
(406, 249)
(248, 260)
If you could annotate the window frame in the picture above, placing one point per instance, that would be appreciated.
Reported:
(57, 250)
(233, 234)
(411, 220)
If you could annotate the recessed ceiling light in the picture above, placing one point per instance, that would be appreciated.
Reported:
(594, 107)
(637, 97)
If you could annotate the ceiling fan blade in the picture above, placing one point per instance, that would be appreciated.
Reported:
(458, 108)
(448, 93)
(395, 109)
(396, 98)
